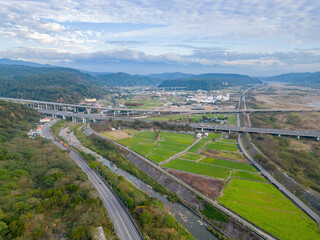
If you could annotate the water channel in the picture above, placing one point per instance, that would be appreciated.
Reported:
(192, 222)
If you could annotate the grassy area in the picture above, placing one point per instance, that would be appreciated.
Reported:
(222, 146)
(191, 156)
(225, 155)
(198, 168)
(156, 158)
(195, 148)
(213, 135)
(144, 149)
(229, 164)
(248, 176)
(264, 205)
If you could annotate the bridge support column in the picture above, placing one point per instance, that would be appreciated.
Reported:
(63, 116)
(318, 138)
(114, 113)
(298, 137)
(279, 135)
(158, 113)
(88, 110)
(128, 113)
(201, 129)
(74, 119)
(94, 120)
(84, 120)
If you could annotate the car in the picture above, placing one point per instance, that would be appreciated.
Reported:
(100, 183)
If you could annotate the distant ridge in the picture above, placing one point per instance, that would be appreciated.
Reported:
(211, 81)
(47, 83)
(297, 78)
(171, 76)
(126, 80)
(7, 61)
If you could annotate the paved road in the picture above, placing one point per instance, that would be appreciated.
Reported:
(54, 105)
(88, 130)
(123, 224)
(195, 125)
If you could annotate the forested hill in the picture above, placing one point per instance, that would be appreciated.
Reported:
(211, 81)
(297, 78)
(14, 119)
(43, 193)
(47, 84)
(126, 80)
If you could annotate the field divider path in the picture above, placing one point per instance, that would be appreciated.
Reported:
(262, 233)
(181, 153)
(200, 158)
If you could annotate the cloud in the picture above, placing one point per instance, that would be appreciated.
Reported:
(220, 57)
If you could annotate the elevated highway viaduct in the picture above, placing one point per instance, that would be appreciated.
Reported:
(124, 111)
(202, 127)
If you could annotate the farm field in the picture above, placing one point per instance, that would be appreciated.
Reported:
(195, 148)
(264, 205)
(229, 164)
(195, 118)
(115, 135)
(191, 156)
(198, 168)
(248, 176)
(158, 146)
(222, 146)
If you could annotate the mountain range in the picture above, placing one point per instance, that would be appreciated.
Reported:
(20, 79)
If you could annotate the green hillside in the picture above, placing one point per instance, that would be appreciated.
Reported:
(47, 84)
(126, 80)
(211, 81)
(43, 193)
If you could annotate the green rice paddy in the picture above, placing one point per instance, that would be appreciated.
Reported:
(267, 207)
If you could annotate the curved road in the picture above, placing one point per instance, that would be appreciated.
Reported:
(124, 227)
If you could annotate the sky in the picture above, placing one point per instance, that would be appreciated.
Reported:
(254, 37)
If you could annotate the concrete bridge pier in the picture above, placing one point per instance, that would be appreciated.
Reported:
(114, 113)
(94, 120)
(63, 117)
(298, 137)
(128, 113)
(84, 120)
(279, 135)
(88, 110)
(74, 119)
(318, 138)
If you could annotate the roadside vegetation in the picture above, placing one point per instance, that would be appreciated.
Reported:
(43, 193)
(154, 221)
(55, 128)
